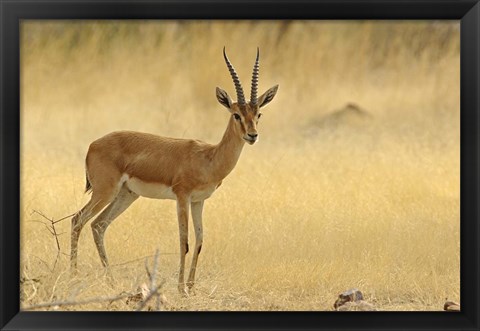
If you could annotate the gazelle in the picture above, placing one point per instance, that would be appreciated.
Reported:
(124, 165)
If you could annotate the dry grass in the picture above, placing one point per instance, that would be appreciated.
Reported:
(308, 212)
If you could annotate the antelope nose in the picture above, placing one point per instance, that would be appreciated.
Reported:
(253, 135)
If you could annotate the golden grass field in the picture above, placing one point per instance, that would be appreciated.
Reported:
(322, 203)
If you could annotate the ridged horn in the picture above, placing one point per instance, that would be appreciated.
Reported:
(236, 80)
(256, 68)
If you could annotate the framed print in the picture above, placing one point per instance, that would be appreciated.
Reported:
(247, 165)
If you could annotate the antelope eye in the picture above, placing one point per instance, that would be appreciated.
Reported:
(259, 115)
(237, 117)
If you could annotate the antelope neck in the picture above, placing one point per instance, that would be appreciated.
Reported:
(228, 151)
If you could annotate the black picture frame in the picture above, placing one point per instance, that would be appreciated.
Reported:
(13, 11)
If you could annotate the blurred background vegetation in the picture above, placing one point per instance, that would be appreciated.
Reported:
(404, 68)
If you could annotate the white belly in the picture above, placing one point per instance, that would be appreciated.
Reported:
(150, 190)
(200, 195)
(160, 191)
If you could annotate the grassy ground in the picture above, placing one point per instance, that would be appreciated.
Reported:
(325, 201)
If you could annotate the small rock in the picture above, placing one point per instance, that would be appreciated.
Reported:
(134, 298)
(142, 293)
(352, 295)
(451, 306)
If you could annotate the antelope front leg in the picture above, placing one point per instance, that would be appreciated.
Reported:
(197, 209)
(182, 213)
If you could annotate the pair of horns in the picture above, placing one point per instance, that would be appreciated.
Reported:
(238, 85)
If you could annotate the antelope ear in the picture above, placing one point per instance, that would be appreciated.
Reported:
(267, 96)
(223, 98)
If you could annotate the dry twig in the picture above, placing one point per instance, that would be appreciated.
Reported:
(53, 231)
(153, 291)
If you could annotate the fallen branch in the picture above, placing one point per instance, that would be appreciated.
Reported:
(74, 303)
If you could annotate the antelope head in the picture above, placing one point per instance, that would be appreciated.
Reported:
(245, 114)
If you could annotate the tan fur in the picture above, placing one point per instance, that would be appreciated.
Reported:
(124, 165)
(183, 165)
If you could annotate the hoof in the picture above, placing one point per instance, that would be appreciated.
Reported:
(182, 290)
(190, 289)
(108, 276)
